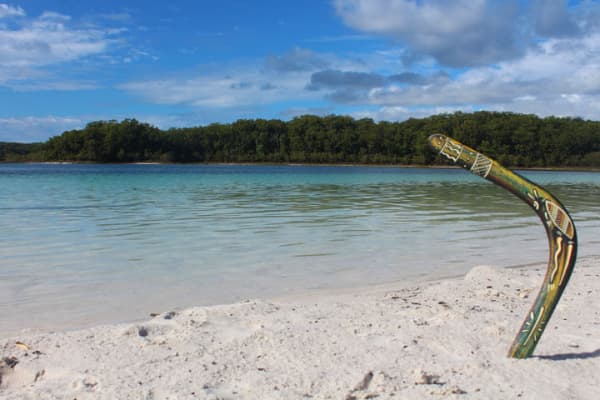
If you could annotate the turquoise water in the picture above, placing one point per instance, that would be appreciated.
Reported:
(87, 244)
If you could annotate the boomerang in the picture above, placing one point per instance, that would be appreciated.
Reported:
(562, 237)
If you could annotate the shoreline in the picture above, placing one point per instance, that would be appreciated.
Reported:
(292, 164)
(328, 291)
(431, 339)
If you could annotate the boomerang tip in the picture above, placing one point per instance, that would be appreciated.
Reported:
(437, 140)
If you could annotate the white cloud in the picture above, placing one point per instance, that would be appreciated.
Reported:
(466, 33)
(35, 129)
(545, 80)
(32, 85)
(222, 90)
(34, 44)
(298, 59)
(299, 111)
(340, 38)
(398, 113)
(561, 76)
(47, 41)
(456, 33)
(40, 128)
(277, 78)
(552, 18)
(6, 10)
(558, 74)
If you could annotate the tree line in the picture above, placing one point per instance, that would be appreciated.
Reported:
(517, 140)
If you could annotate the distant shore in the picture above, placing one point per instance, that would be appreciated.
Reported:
(436, 166)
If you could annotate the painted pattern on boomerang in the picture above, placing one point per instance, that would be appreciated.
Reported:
(562, 237)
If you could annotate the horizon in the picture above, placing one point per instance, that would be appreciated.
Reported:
(63, 65)
(297, 116)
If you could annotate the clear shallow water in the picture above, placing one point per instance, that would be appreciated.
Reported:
(86, 244)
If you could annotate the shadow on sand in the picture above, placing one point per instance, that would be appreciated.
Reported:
(571, 356)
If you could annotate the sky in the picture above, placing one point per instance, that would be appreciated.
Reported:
(66, 63)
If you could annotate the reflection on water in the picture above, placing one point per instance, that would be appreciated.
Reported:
(105, 242)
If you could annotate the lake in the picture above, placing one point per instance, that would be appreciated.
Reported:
(83, 244)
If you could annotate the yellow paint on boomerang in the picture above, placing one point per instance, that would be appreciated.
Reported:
(557, 222)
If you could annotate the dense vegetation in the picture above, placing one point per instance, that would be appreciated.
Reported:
(513, 139)
(15, 152)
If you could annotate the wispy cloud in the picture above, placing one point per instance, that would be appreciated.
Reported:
(221, 90)
(261, 82)
(47, 40)
(31, 45)
(298, 111)
(341, 38)
(117, 16)
(31, 85)
(39, 128)
(297, 60)
(399, 113)
(6, 10)
(34, 129)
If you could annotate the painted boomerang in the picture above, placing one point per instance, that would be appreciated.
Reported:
(560, 229)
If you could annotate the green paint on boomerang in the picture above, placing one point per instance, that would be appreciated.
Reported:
(562, 237)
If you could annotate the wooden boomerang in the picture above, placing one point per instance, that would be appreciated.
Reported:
(560, 229)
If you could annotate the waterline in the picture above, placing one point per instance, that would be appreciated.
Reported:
(103, 243)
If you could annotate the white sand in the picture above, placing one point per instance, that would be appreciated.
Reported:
(444, 339)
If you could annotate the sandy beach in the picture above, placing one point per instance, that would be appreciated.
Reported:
(404, 340)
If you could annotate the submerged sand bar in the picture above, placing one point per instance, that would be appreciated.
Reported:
(441, 339)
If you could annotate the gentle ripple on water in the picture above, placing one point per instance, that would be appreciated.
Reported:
(99, 243)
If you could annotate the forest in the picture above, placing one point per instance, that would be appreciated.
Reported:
(517, 140)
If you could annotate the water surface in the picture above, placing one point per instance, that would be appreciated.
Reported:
(83, 244)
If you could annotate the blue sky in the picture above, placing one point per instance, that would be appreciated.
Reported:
(66, 63)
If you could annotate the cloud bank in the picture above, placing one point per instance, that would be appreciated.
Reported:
(456, 33)
(542, 57)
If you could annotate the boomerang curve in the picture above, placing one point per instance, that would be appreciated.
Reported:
(562, 236)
